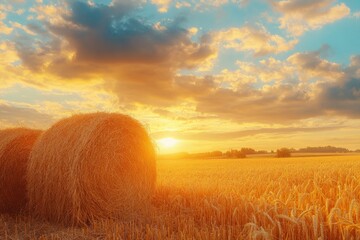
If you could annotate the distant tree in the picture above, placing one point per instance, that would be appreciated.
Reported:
(283, 152)
(262, 152)
(235, 154)
(326, 149)
(247, 151)
(216, 154)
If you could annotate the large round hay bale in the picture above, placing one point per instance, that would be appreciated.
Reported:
(91, 166)
(15, 147)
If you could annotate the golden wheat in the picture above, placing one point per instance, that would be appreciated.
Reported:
(255, 198)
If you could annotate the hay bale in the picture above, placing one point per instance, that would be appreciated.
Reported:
(89, 167)
(15, 147)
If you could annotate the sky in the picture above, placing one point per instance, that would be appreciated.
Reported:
(200, 75)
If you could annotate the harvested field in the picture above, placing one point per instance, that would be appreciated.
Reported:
(255, 198)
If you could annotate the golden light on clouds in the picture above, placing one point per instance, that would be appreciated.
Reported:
(198, 79)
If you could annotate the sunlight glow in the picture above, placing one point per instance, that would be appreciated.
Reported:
(167, 142)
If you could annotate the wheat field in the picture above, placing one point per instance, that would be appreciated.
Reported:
(312, 197)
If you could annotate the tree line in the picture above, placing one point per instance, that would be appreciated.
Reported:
(243, 152)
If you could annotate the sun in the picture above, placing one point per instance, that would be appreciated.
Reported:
(167, 142)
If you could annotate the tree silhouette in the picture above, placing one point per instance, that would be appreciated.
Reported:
(283, 152)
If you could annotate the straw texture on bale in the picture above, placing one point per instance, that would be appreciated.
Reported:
(15, 147)
(89, 167)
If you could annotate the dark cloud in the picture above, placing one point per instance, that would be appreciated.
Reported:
(137, 59)
(102, 15)
(113, 37)
(313, 62)
(342, 97)
(346, 91)
(114, 34)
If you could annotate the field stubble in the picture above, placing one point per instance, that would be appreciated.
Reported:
(255, 198)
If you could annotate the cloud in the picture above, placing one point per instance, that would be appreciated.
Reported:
(109, 35)
(312, 66)
(16, 25)
(299, 16)
(162, 93)
(132, 57)
(110, 48)
(233, 135)
(4, 28)
(267, 70)
(162, 4)
(281, 103)
(8, 75)
(112, 43)
(298, 67)
(181, 4)
(302, 87)
(254, 39)
(343, 96)
(13, 116)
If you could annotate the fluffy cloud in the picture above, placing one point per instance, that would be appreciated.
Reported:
(267, 70)
(299, 16)
(311, 65)
(113, 44)
(4, 29)
(298, 67)
(9, 57)
(162, 4)
(253, 39)
(304, 86)
(112, 49)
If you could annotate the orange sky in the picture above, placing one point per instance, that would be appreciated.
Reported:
(203, 75)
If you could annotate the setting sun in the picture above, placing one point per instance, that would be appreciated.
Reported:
(168, 142)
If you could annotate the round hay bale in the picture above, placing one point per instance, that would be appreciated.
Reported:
(15, 147)
(89, 167)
